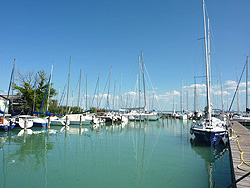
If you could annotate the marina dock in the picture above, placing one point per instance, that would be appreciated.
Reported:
(242, 134)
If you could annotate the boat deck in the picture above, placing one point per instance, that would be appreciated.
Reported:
(242, 134)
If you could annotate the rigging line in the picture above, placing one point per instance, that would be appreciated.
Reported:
(95, 92)
(45, 94)
(197, 57)
(103, 92)
(61, 99)
(134, 103)
(152, 87)
(11, 77)
(210, 27)
(217, 66)
(237, 87)
(82, 100)
(77, 84)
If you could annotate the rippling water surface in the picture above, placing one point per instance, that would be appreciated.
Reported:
(147, 154)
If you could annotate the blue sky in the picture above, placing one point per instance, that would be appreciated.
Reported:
(98, 34)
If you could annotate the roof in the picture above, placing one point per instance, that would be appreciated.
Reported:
(14, 97)
(4, 97)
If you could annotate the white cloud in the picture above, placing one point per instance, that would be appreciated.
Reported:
(132, 93)
(176, 93)
(232, 85)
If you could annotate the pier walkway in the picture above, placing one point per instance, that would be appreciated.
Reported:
(240, 150)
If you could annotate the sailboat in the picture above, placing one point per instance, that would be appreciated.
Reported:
(54, 119)
(24, 122)
(209, 130)
(244, 120)
(141, 113)
(81, 117)
(183, 116)
(7, 124)
(43, 122)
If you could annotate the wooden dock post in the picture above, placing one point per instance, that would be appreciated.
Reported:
(25, 125)
(66, 121)
(49, 122)
(80, 120)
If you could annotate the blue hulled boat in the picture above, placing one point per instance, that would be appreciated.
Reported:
(209, 131)
(7, 124)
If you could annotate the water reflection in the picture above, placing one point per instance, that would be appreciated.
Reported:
(210, 156)
(138, 154)
(24, 149)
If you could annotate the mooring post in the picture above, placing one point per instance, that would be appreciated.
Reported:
(49, 122)
(80, 120)
(25, 124)
(67, 121)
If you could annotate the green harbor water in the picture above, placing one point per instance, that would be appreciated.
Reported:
(147, 154)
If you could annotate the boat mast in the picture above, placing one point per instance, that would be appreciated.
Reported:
(208, 50)
(97, 91)
(207, 67)
(13, 84)
(139, 85)
(78, 105)
(134, 104)
(247, 88)
(120, 94)
(12, 72)
(153, 101)
(238, 97)
(49, 88)
(109, 87)
(86, 92)
(173, 105)
(221, 90)
(34, 100)
(145, 100)
(181, 95)
(68, 87)
(194, 94)
(114, 96)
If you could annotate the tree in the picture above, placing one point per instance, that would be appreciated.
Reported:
(33, 88)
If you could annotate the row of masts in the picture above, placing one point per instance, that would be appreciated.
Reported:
(141, 68)
(108, 100)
